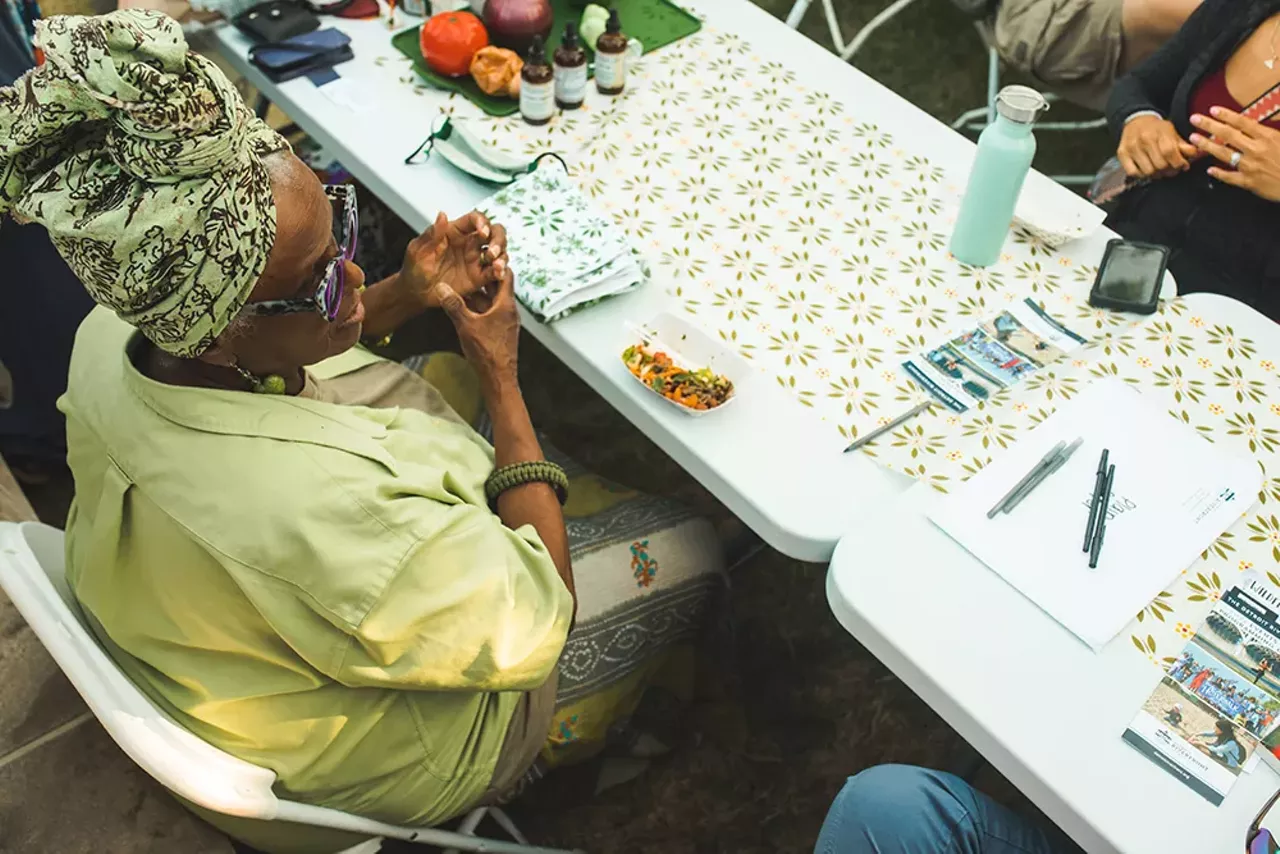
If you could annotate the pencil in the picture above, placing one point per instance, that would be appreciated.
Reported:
(1044, 475)
(1045, 461)
(880, 431)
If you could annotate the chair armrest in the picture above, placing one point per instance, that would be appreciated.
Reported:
(193, 769)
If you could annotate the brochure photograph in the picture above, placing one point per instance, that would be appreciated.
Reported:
(1220, 696)
(973, 364)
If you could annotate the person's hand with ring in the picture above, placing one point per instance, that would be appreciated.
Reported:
(1250, 150)
(1151, 148)
(469, 254)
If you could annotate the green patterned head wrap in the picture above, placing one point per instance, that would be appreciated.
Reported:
(145, 166)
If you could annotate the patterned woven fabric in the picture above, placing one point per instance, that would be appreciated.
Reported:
(145, 166)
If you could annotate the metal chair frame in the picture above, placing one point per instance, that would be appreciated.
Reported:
(971, 121)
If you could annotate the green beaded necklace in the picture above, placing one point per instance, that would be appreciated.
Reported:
(270, 384)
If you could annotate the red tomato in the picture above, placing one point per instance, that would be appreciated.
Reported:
(450, 39)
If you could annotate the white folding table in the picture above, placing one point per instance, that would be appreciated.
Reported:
(764, 458)
(1034, 700)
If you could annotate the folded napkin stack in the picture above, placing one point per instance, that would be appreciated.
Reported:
(564, 254)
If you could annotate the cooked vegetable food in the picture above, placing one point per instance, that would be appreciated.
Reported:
(700, 389)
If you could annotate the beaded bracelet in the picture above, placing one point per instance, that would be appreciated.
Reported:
(518, 474)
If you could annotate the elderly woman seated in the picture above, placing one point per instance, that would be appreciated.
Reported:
(303, 553)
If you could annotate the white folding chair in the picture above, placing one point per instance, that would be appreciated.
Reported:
(846, 51)
(973, 121)
(32, 573)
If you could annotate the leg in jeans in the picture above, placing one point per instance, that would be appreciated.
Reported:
(899, 809)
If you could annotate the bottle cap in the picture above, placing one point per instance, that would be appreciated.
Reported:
(570, 39)
(614, 25)
(1020, 104)
(537, 51)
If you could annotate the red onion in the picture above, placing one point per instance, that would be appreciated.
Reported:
(513, 23)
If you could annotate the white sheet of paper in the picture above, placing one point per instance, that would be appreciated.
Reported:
(1174, 494)
(347, 93)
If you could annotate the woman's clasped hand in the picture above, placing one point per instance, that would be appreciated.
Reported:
(1249, 150)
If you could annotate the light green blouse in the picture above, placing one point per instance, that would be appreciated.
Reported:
(316, 588)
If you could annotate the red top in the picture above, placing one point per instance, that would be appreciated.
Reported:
(1213, 92)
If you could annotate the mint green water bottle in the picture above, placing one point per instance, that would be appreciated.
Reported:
(1005, 151)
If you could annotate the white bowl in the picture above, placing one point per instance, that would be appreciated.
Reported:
(690, 348)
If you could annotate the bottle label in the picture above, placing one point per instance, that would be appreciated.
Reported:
(537, 100)
(611, 70)
(571, 84)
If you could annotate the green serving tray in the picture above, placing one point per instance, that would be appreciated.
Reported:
(656, 23)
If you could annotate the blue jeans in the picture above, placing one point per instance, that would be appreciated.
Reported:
(899, 809)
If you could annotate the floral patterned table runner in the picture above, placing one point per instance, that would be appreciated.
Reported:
(812, 239)
(789, 225)
(1204, 372)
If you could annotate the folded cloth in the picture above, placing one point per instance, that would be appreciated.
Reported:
(564, 254)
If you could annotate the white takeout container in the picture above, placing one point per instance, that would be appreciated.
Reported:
(690, 348)
(1041, 212)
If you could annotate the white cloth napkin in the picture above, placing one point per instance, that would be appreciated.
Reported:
(565, 255)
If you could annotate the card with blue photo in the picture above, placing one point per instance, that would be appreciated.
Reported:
(975, 363)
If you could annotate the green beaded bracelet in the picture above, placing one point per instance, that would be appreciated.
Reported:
(518, 474)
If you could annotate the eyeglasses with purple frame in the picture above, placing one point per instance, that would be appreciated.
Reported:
(1260, 840)
(328, 296)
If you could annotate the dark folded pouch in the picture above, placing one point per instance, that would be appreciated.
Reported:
(302, 55)
(276, 21)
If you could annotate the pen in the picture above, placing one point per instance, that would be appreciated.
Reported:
(880, 431)
(1102, 517)
(1093, 502)
(1044, 475)
(1045, 462)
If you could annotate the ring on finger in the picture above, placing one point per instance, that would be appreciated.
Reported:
(1236, 157)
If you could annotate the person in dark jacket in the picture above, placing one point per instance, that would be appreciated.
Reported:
(1214, 191)
(34, 282)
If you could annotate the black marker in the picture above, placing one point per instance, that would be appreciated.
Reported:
(1102, 518)
(1093, 502)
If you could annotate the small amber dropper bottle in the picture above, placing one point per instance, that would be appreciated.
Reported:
(611, 57)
